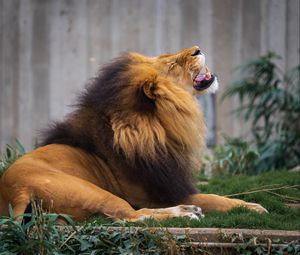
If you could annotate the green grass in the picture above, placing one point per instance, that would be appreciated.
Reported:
(279, 217)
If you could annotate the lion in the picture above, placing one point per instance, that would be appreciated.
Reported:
(129, 148)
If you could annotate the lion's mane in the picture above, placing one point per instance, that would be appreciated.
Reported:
(154, 141)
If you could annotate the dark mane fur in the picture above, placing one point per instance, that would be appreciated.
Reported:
(166, 179)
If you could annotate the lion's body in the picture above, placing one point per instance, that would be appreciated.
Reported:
(132, 143)
(50, 164)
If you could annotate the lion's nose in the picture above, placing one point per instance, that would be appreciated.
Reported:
(197, 52)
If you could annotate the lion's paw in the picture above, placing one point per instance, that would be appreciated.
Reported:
(188, 211)
(256, 207)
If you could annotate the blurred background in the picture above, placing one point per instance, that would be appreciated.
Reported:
(49, 48)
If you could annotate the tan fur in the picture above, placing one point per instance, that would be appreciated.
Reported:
(82, 184)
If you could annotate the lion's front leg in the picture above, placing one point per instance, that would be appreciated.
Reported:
(187, 211)
(212, 202)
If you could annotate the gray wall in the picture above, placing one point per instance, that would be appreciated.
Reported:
(49, 48)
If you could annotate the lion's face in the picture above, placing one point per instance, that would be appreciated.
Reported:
(184, 69)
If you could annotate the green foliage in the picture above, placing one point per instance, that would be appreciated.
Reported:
(248, 248)
(234, 157)
(10, 156)
(270, 100)
(126, 241)
(44, 234)
(41, 235)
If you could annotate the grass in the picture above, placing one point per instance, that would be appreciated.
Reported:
(279, 217)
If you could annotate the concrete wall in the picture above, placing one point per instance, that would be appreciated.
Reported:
(48, 48)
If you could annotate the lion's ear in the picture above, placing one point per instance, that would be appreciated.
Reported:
(172, 64)
(149, 88)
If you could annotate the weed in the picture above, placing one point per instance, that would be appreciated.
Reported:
(12, 153)
(45, 234)
(234, 157)
(41, 235)
(270, 100)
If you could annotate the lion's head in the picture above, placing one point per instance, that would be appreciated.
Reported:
(184, 69)
(150, 105)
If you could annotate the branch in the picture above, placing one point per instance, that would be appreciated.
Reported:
(261, 190)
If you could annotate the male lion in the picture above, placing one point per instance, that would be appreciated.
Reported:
(129, 148)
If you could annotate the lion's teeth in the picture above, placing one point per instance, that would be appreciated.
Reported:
(207, 73)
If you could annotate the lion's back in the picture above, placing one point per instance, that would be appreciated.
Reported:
(65, 159)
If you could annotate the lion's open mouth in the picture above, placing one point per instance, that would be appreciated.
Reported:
(203, 81)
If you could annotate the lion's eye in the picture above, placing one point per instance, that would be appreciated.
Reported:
(197, 52)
